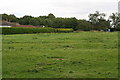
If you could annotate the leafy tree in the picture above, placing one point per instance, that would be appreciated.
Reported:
(64, 23)
(25, 20)
(71, 23)
(51, 16)
(12, 18)
(34, 21)
(58, 22)
(115, 19)
(85, 25)
(103, 24)
(99, 21)
(48, 22)
(5, 17)
(96, 21)
(0, 16)
(9, 18)
(43, 17)
(96, 17)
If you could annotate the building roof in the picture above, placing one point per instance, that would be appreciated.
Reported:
(6, 23)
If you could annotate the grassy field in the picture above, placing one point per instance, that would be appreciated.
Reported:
(61, 55)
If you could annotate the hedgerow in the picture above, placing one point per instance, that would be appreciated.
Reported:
(26, 30)
(64, 30)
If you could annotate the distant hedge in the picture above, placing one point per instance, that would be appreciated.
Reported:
(115, 29)
(26, 30)
(64, 30)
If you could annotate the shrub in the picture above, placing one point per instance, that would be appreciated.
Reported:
(29, 30)
(116, 29)
(64, 30)
(25, 30)
(84, 25)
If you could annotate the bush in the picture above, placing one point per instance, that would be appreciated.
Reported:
(25, 30)
(84, 25)
(64, 30)
(116, 29)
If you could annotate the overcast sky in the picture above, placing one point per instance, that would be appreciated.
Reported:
(60, 8)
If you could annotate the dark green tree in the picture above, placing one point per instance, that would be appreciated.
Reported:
(115, 19)
(99, 21)
(25, 20)
(34, 21)
(12, 18)
(5, 17)
(96, 17)
(51, 16)
(85, 25)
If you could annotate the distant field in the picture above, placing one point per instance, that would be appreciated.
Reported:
(61, 55)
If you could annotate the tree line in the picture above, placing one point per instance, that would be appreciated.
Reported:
(96, 21)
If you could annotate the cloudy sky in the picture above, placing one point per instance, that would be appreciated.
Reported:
(60, 8)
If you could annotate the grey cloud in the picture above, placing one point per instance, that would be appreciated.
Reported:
(61, 8)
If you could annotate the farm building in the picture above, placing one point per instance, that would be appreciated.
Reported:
(11, 24)
(7, 24)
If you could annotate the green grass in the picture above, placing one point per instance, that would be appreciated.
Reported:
(61, 55)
